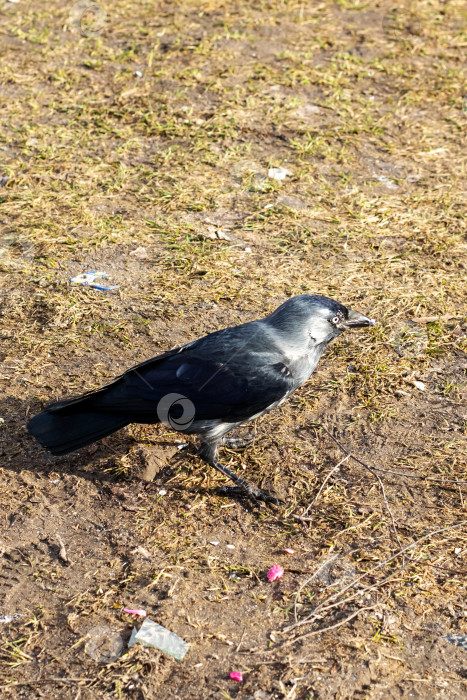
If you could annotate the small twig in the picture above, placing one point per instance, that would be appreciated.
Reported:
(381, 485)
(62, 553)
(451, 572)
(419, 476)
(407, 476)
(334, 469)
(319, 608)
(313, 633)
(291, 694)
(240, 642)
(389, 560)
(45, 680)
(309, 580)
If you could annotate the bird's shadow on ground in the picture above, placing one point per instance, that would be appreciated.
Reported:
(20, 451)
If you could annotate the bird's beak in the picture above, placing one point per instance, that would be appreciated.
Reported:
(357, 320)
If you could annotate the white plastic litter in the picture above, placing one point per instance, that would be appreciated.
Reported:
(104, 644)
(390, 185)
(92, 279)
(459, 640)
(153, 635)
(419, 385)
(278, 173)
(9, 618)
(140, 253)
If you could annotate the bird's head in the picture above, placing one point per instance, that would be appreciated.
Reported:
(321, 318)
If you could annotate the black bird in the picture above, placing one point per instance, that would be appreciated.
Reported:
(209, 386)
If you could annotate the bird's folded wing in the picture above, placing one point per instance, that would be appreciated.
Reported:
(232, 390)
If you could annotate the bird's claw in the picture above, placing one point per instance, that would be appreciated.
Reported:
(253, 494)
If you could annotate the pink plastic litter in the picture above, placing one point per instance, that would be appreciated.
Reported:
(275, 572)
(141, 613)
(236, 676)
(289, 551)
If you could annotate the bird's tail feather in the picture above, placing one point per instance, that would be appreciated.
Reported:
(68, 425)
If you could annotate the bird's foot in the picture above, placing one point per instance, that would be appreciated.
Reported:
(235, 442)
(208, 453)
(243, 488)
(253, 494)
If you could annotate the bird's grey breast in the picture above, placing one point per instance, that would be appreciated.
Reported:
(302, 362)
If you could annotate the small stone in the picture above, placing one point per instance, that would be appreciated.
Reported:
(390, 185)
(278, 173)
(291, 202)
(140, 253)
(419, 385)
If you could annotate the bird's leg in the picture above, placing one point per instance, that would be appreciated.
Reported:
(235, 442)
(208, 453)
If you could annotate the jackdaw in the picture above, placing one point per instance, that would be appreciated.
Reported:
(209, 386)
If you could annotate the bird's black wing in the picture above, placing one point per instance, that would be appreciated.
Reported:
(229, 375)
(231, 391)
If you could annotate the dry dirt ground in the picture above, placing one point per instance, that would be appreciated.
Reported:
(154, 124)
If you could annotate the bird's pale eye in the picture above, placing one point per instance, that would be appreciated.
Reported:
(335, 320)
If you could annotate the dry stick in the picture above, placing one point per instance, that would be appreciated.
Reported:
(314, 615)
(408, 476)
(309, 580)
(381, 485)
(451, 572)
(418, 476)
(45, 680)
(240, 642)
(313, 633)
(387, 561)
(334, 469)
(375, 568)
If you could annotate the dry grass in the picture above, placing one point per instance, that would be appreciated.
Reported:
(364, 104)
